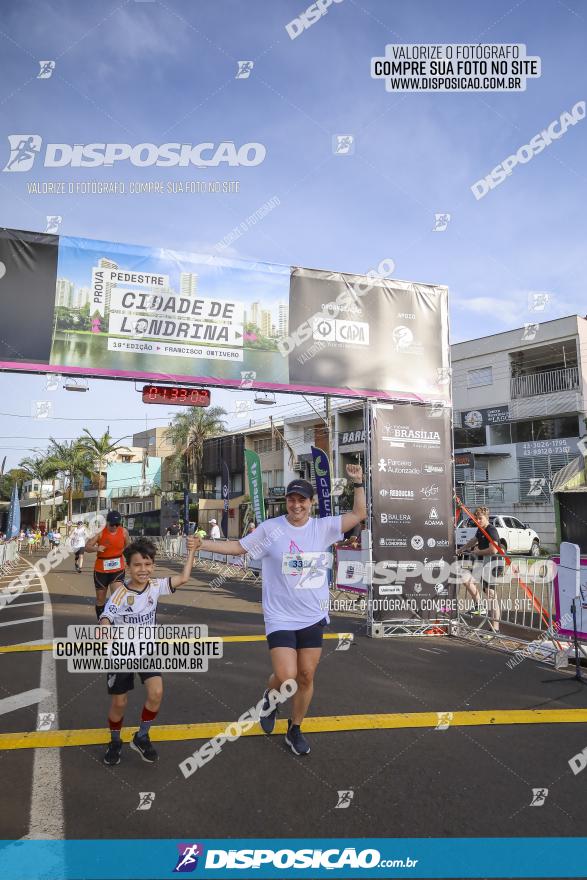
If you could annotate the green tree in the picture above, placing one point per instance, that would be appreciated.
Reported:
(99, 448)
(7, 481)
(187, 433)
(37, 469)
(72, 459)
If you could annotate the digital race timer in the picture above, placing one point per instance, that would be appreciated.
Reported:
(172, 394)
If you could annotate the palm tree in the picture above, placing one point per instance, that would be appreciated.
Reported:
(99, 449)
(52, 472)
(74, 461)
(187, 433)
(39, 470)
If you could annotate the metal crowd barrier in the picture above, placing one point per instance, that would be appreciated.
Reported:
(222, 564)
(515, 603)
(8, 555)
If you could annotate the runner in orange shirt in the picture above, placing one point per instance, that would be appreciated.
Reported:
(109, 544)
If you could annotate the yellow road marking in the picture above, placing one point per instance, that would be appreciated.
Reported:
(326, 724)
(13, 649)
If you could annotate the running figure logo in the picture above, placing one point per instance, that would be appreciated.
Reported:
(444, 719)
(187, 861)
(53, 223)
(441, 222)
(244, 69)
(146, 799)
(23, 151)
(539, 795)
(343, 144)
(46, 71)
(344, 799)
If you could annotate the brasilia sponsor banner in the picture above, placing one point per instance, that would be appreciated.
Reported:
(255, 479)
(93, 308)
(412, 522)
(323, 483)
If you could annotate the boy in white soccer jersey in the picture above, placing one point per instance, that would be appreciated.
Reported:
(295, 562)
(135, 602)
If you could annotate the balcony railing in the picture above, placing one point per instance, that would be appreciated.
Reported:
(132, 491)
(547, 382)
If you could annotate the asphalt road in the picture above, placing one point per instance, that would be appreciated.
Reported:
(468, 779)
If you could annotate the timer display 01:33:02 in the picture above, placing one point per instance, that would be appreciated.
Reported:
(171, 394)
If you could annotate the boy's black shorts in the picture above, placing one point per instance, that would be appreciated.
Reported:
(123, 682)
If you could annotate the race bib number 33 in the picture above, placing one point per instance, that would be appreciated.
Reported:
(298, 563)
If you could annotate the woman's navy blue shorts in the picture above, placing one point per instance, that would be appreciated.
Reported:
(308, 637)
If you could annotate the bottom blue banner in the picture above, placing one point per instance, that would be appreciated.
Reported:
(285, 858)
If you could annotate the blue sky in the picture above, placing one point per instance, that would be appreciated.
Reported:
(161, 72)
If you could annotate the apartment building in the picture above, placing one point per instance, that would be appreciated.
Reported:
(519, 411)
(301, 433)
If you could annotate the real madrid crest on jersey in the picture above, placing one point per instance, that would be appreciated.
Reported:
(130, 600)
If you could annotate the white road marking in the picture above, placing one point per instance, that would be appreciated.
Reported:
(24, 620)
(46, 816)
(24, 604)
(6, 592)
(430, 651)
(21, 701)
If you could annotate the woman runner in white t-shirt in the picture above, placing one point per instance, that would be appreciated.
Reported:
(294, 550)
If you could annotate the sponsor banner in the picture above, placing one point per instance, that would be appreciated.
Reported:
(286, 858)
(412, 522)
(254, 476)
(225, 497)
(13, 527)
(479, 418)
(565, 588)
(126, 311)
(323, 482)
(380, 333)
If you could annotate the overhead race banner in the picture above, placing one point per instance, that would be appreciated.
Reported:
(412, 520)
(323, 482)
(254, 476)
(94, 308)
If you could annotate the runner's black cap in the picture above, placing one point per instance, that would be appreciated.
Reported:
(113, 518)
(300, 487)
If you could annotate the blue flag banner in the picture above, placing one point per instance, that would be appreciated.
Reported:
(322, 471)
(225, 497)
(13, 515)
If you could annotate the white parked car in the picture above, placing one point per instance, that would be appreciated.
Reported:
(514, 535)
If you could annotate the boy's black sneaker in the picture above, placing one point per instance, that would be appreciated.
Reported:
(112, 756)
(296, 740)
(267, 718)
(142, 745)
